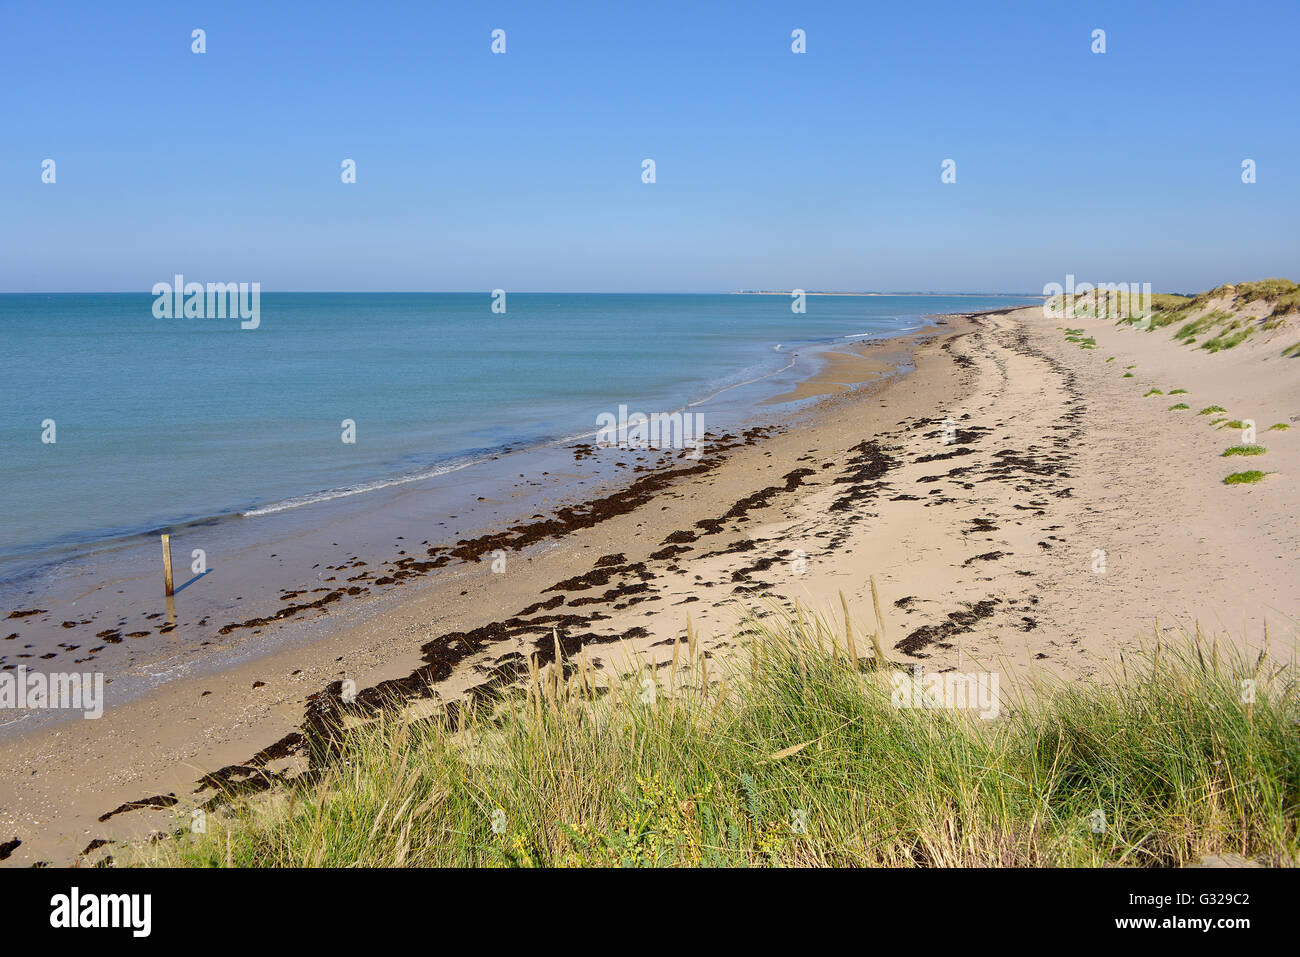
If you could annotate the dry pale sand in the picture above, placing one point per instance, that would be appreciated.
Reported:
(985, 551)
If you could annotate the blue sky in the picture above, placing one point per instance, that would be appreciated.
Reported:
(523, 171)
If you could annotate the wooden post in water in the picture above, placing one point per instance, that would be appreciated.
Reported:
(167, 563)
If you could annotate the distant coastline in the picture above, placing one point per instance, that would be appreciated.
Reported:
(815, 292)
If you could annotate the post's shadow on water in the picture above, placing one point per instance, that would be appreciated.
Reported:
(192, 581)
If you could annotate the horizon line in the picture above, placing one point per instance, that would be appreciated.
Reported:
(550, 292)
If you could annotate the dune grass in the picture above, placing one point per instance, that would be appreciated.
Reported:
(1245, 478)
(1213, 319)
(793, 752)
(1227, 340)
(1178, 405)
(1245, 450)
(1211, 409)
(1152, 392)
(1282, 294)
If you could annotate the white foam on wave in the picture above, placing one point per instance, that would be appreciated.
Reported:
(329, 495)
(332, 494)
(737, 385)
(885, 335)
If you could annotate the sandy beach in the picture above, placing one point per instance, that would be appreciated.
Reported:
(1034, 538)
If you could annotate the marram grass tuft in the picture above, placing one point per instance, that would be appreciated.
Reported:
(792, 752)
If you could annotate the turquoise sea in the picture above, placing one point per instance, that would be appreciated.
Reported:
(159, 422)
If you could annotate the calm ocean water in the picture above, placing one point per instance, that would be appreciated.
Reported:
(165, 421)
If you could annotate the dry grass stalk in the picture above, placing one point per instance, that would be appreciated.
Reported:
(878, 637)
(848, 631)
(672, 678)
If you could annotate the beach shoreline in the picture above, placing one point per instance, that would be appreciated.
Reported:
(309, 644)
(102, 608)
(982, 549)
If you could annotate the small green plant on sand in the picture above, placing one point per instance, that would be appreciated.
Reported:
(1128, 375)
(1226, 340)
(1211, 409)
(1244, 478)
(1153, 392)
(1233, 424)
(1180, 405)
(1177, 391)
(1278, 427)
(1246, 450)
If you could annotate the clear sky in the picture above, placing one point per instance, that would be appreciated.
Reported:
(523, 171)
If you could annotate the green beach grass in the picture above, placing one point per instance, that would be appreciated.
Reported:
(1249, 477)
(793, 752)
(1225, 327)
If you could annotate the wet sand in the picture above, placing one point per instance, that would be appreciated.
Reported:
(840, 371)
(984, 549)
